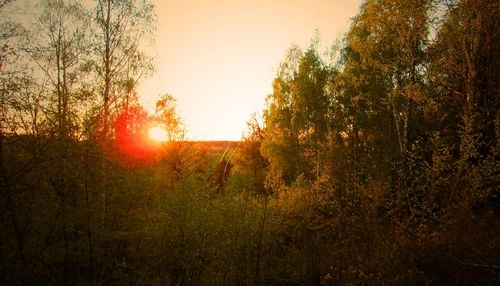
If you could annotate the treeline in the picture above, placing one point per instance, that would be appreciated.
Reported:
(377, 164)
(389, 150)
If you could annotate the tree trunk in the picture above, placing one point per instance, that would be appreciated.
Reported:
(258, 258)
(312, 257)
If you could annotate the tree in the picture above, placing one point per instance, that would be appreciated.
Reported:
(59, 49)
(296, 116)
(382, 88)
(464, 76)
(120, 61)
(249, 162)
(53, 94)
(166, 116)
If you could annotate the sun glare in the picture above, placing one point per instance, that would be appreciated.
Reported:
(158, 134)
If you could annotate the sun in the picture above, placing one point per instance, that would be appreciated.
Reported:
(158, 134)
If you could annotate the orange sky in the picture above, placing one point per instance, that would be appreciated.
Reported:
(219, 57)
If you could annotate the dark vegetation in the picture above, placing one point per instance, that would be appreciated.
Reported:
(377, 166)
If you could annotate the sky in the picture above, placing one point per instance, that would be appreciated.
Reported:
(218, 58)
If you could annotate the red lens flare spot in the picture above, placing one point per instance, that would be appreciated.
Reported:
(133, 142)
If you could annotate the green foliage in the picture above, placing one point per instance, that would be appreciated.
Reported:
(295, 116)
(380, 168)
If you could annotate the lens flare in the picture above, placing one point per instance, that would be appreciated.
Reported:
(158, 134)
